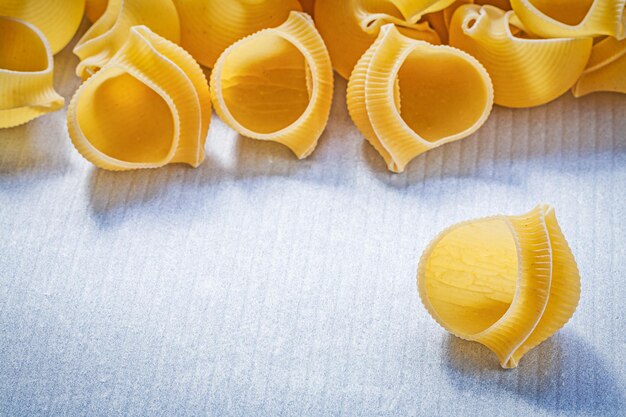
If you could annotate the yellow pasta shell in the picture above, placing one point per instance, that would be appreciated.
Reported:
(57, 19)
(26, 76)
(508, 282)
(147, 107)
(94, 9)
(526, 72)
(110, 31)
(606, 69)
(408, 96)
(308, 6)
(349, 27)
(276, 85)
(211, 26)
(572, 18)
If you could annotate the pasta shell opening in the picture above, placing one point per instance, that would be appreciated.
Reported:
(94, 9)
(402, 97)
(508, 282)
(211, 26)
(26, 73)
(276, 85)
(57, 19)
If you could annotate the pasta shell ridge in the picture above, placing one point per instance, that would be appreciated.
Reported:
(26, 73)
(147, 107)
(507, 282)
(110, 31)
(57, 19)
(210, 26)
(400, 96)
(276, 85)
(606, 69)
(525, 71)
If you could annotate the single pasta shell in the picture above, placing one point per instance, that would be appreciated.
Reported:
(57, 19)
(211, 26)
(408, 96)
(26, 73)
(308, 6)
(276, 85)
(110, 31)
(149, 106)
(606, 69)
(526, 72)
(94, 9)
(349, 27)
(572, 18)
(508, 282)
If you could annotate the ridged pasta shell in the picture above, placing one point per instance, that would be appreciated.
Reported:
(606, 69)
(349, 27)
(94, 9)
(57, 19)
(26, 77)
(572, 18)
(508, 282)
(110, 31)
(276, 85)
(525, 72)
(211, 26)
(147, 107)
(408, 96)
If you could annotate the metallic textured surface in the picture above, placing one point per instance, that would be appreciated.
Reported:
(262, 285)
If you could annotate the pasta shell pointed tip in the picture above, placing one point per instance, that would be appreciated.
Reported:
(402, 98)
(149, 106)
(26, 73)
(507, 282)
(276, 85)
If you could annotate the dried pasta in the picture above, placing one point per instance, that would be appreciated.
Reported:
(26, 66)
(276, 85)
(110, 31)
(210, 26)
(407, 96)
(525, 71)
(508, 282)
(606, 69)
(94, 9)
(147, 107)
(57, 19)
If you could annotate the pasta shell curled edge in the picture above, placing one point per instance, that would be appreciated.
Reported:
(526, 72)
(147, 107)
(276, 85)
(110, 31)
(403, 98)
(507, 282)
(606, 69)
(26, 73)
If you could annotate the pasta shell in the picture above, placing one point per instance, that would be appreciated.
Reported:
(211, 26)
(57, 19)
(408, 96)
(308, 6)
(508, 282)
(572, 18)
(606, 69)
(147, 107)
(26, 77)
(276, 85)
(94, 9)
(349, 27)
(526, 72)
(108, 34)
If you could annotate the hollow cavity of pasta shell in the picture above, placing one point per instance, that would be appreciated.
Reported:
(408, 96)
(26, 73)
(94, 9)
(572, 18)
(147, 107)
(525, 71)
(276, 85)
(57, 19)
(507, 282)
(211, 26)
(606, 69)
(349, 27)
(107, 35)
